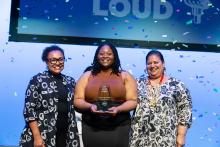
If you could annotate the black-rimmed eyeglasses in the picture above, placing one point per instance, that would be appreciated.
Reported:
(55, 60)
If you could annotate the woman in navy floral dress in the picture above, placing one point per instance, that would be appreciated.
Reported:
(48, 110)
(163, 113)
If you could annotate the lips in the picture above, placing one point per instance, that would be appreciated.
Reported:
(153, 69)
(58, 67)
(105, 61)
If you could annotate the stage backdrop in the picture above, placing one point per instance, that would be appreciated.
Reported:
(175, 24)
(19, 61)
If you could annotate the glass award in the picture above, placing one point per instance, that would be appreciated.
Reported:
(104, 98)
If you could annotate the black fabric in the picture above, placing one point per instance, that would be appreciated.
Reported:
(104, 121)
(41, 105)
(110, 137)
(62, 119)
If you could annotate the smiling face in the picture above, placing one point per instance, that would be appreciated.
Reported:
(55, 61)
(105, 57)
(155, 66)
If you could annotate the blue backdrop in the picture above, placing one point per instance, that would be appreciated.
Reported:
(19, 61)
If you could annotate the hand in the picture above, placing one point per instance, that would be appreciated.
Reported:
(180, 140)
(39, 142)
(113, 110)
(93, 108)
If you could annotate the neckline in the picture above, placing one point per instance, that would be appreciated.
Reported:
(160, 82)
(57, 76)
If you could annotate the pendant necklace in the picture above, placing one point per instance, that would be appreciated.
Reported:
(153, 92)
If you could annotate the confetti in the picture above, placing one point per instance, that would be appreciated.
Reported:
(185, 45)
(126, 21)
(210, 129)
(105, 18)
(130, 27)
(15, 94)
(189, 22)
(12, 59)
(215, 90)
(185, 33)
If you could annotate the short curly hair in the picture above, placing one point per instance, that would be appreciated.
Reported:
(49, 49)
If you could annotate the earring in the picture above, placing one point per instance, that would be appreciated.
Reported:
(145, 71)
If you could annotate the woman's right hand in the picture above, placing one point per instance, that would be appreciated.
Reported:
(39, 142)
(93, 108)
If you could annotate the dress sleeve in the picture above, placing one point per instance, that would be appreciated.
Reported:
(184, 105)
(31, 100)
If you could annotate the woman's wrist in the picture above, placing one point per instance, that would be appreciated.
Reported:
(91, 106)
(118, 109)
(180, 134)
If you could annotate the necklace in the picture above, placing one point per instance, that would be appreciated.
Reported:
(153, 92)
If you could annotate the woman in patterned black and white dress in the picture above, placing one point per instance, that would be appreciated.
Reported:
(48, 110)
(163, 113)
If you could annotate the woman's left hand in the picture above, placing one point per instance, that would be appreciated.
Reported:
(180, 140)
(113, 110)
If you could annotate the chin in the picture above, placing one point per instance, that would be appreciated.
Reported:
(56, 72)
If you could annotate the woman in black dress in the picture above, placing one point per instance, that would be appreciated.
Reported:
(48, 110)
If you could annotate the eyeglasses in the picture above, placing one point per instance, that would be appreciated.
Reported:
(55, 60)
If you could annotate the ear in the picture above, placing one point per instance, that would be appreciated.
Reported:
(164, 68)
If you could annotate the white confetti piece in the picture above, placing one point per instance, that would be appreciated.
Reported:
(15, 94)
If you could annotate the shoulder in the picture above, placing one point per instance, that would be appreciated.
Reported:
(176, 82)
(126, 75)
(69, 79)
(85, 76)
(141, 78)
(39, 76)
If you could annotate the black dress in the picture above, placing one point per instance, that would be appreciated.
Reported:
(62, 120)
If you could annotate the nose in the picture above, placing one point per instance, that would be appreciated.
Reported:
(105, 55)
(151, 65)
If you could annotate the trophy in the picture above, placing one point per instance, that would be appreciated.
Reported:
(104, 98)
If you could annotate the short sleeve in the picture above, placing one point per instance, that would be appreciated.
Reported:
(184, 105)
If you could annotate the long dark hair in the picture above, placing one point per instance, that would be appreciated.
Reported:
(116, 66)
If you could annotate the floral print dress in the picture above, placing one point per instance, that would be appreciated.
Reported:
(156, 126)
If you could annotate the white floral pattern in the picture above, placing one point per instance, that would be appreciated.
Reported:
(41, 105)
(157, 126)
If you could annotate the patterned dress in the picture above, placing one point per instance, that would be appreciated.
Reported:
(156, 125)
(41, 105)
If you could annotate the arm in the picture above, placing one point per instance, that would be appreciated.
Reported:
(184, 112)
(30, 115)
(38, 141)
(79, 96)
(131, 94)
(181, 133)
